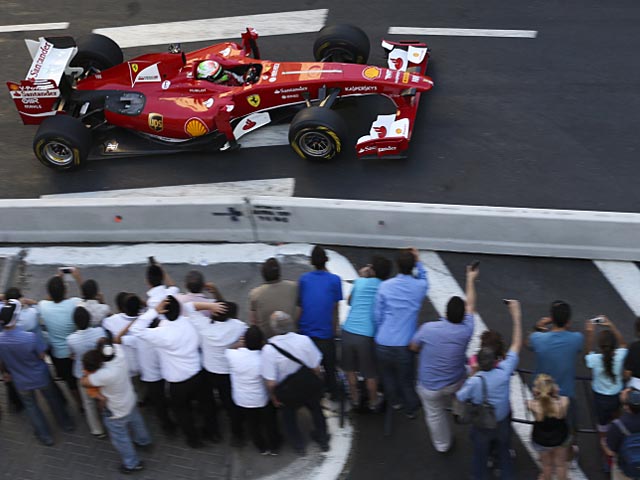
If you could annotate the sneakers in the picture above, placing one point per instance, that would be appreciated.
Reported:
(99, 436)
(127, 470)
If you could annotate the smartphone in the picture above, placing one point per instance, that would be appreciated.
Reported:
(152, 261)
(66, 270)
(475, 265)
(597, 320)
(506, 301)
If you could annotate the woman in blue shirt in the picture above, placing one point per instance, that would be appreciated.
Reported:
(607, 372)
(359, 329)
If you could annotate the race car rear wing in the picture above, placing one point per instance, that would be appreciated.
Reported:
(390, 134)
(36, 96)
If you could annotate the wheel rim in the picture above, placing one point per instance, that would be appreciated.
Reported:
(339, 55)
(58, 153)
(315, 144)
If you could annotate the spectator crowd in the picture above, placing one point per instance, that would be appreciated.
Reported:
(189, 358)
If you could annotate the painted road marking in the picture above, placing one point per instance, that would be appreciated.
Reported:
(33, 26)
(275, 187)
(625, 278)
(267, 24)
(463, 32)
(443, 286)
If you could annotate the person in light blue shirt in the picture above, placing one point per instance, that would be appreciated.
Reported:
(607, 374)
(80, 342)
(397, 304)
(359, 328)
(496, 376)
(442, 366)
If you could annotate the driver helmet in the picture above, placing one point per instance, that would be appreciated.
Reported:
(209, 69)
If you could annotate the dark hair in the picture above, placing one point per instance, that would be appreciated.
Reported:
(89, 289)
(405, 261)
(486, 359)
(194, 281)
(173, 308)
(319, 257)
(560, 313)
(132, 305)
(608, 344)
(92, 360)
(81, 317)
(381, 266)
(634, 408)
(155, 275)
(12, 293)
(56, 289)
(232, 312)
(455, 310)
(120, 298)
(271, 270)
(493, 340)
(254, 338)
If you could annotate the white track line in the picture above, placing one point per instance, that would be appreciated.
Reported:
(33, 26)
(283, 23)
(463, 32)
(625, 278)
(443, 286)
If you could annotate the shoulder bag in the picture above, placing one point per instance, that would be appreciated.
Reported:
(301, 386)
(479, 415)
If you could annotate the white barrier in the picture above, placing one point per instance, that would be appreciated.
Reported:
(494, 230)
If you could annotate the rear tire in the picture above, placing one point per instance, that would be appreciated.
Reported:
(341, 43)
(317, 133)
(96, 53)
(62, 143)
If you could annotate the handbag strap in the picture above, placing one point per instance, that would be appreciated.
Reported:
(484, 389)
(286, 354)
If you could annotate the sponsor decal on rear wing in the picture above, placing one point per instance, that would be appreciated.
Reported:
(34, 99)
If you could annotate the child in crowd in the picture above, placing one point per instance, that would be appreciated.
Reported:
(607, 375)
(550, 436)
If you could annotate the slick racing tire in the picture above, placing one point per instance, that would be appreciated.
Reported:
(96, 53)
(62, 143)
(317, 133)
(341, 43)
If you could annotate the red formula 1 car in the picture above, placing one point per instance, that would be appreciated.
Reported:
(87, 101)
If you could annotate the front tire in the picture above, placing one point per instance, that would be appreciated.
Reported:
(317, 133)
(341, 43)
(96, 53)
(62, 143)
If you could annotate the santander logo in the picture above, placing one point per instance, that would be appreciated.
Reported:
(398, 62)
(249, 124)
(381, 131)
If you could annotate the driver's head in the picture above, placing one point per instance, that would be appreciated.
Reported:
(209, 70)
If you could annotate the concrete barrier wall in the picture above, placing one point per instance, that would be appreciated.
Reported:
(498, 230)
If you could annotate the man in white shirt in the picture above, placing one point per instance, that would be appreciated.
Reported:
(176, 341)
(162, 285)
(276, 367)
(196, 288)
(121, 416)
(223, 331)
(250, 395)
(148, 363)
(116, 323)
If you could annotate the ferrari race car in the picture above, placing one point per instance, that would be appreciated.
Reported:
(88, 102)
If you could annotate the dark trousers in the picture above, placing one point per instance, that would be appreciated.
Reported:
(290, 421)
(182, 394)
(396, 367)
(327, 347)
(221, 383)
(64, 370)
(155, 392)
(482, 441)
(14, 399)
(263, 426)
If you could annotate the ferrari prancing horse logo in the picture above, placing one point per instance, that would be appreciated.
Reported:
(134, 67)
(254, 100)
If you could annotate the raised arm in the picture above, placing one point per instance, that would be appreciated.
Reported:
(589, 328)
(516, 316)
(214, 307)
(470, 288)
(607, 322)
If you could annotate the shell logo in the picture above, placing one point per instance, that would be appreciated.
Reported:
(371, 73)
(195, 127)
(398, 131)
(13, 86)
(416, 54)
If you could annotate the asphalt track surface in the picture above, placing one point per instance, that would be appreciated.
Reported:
(547, 122)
